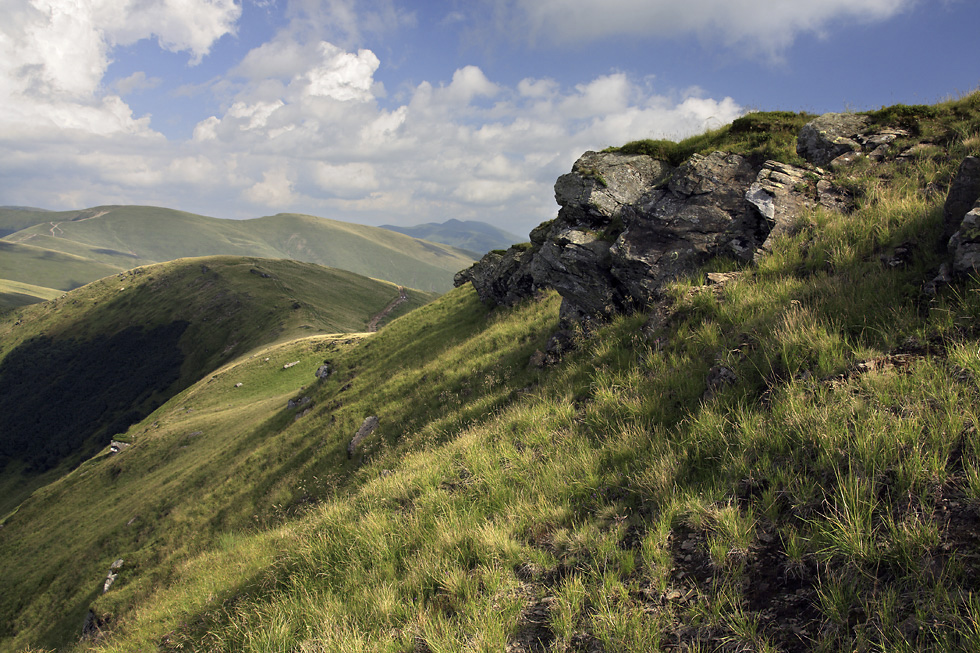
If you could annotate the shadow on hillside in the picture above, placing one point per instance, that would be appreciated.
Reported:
(63, 397)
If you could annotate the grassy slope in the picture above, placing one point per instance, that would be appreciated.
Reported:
(230, 311)
(472, 236)
(126, 236)
(49, 269)
(14, 294)
(826, 500)
(15, 219)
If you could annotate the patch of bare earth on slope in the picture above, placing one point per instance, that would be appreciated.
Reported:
(376, 321)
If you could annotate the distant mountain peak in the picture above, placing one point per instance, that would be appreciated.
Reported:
(471, 235)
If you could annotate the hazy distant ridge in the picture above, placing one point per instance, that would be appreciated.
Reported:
(470, 235)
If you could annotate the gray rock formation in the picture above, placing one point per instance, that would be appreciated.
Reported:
(600, 185)
(965, 243)
(963, 194)
(776, 196)
(831, 135)
(324, 371)
(115, 446)
(366, 429)
(113, 574)
(700, 213)
(500, 277)
(629, 224)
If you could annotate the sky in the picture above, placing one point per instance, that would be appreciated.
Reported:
(405, 112)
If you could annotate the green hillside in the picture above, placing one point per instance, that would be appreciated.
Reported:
(824, 497)
(122, 237)
(15, 218)
(48, 268)
(77, 370)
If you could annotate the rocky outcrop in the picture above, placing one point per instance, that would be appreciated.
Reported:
(500, 277)
(836, 139)
(366, 429)
(629, 224)
(113, 575)
(831, 135)
(963, 194)
(961, 219)
(965, 243)
(700, 213)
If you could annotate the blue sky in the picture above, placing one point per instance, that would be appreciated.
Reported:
(377, 111)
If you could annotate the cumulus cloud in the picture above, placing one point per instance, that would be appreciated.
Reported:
(327, 144)
(764, 25)
(54, 54)
(303, 123)
(138, 81)
(275, 189)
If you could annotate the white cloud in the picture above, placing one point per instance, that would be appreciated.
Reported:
(444, 152)
(759, 25)
(303, 124)
(469, 83)
(346, 180)
(343, 75)
(138, 81)
(54, 55)
(275, 189)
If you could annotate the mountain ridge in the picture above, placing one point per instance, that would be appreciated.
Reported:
(470, 235)
(116, 238)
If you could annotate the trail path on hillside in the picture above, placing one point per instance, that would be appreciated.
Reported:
(386, 311)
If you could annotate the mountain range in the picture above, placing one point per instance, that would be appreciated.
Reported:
(475, 237)
(47, 252)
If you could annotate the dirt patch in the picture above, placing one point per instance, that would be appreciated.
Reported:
(375, 321)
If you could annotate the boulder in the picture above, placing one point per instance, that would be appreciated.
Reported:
(778, 194)
(827, 137)
(500, 277)
(576, 263)
(963, 194)
(965, 243)
(602, 183)
(367, 428)
(627, 225)
(700, 213)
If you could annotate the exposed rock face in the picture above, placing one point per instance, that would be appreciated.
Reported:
(600, 185)
(629, 224)
(700, 213)
(838, 139)
(500, 277)
(366, 429)
(963, 194)
(776, 197)
(831, 135)
(965, 243)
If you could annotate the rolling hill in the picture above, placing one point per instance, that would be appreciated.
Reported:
(70, 248)
(776, 453)
(79, 369)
